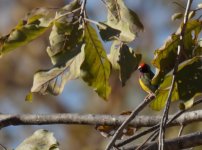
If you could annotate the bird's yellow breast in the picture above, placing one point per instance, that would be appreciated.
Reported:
(144, 87)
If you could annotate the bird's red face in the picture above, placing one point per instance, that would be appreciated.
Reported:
(143, 67)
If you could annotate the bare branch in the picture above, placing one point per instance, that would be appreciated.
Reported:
(156, 127)
(134, 113)
(94, 119)
(182, 142)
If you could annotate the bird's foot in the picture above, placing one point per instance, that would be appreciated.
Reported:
(150, 96)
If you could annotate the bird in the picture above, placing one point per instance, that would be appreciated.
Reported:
(145, 78)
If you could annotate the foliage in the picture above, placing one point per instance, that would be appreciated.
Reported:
(77, 52)
(75, 49)
(123, 59)
(185, 87)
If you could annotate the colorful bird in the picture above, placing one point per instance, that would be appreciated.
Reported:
(145, 78)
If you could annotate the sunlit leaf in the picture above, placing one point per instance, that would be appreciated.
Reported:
(128, 26)
(34, 25)
(40, 140)
(124, 59)
(165, 56)
(53, 80)
(96, 66)
(186, 87)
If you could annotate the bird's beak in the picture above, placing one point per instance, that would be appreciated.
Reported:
(139, 67)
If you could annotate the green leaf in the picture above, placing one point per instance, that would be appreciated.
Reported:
(177, 16)
(186, 87)
(162, 94)
(40, 140)
(53, 80)
(34, 25)
(122, 19)
(124, 59)
(186, 105)
(65, 35)
(29, 97)
(165, 56)
(96, 66)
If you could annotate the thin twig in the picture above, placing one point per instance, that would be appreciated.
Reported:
(82, 12)
(94, 22)
(180, 48)
(148, 139)
(178, 4)
(127, 121)
(182, 142)
(181, 130)
(4, 148)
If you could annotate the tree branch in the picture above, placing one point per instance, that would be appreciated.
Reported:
(94, 119)
(127, 121)
(156, 127)
(182, 142)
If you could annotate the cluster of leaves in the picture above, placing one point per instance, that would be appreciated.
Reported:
(75, 49)
(189, 74)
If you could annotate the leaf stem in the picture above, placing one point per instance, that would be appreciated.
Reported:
(68, 13)
(95, 22)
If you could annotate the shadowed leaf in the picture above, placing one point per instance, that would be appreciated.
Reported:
(65, 35)
(53, 80)
(186, 87)
(124, 59)
(96, 66)
(107, 33)
(66, 52)
(165, 56)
